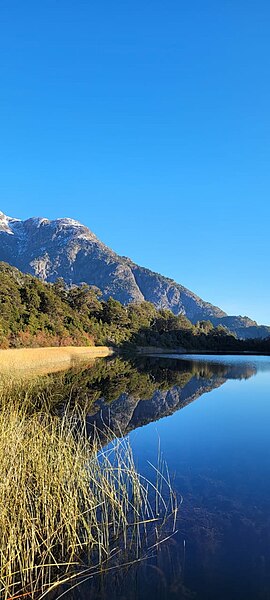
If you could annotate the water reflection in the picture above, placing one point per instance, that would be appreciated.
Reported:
(123, 394)
(165, 385)
(217, 450)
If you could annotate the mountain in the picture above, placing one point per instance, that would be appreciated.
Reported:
(66, 248)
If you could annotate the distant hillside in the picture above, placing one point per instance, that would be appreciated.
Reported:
(34, 313)
(65, 248)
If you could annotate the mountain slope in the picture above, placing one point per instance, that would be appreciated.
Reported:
(66, 248)
(35, 313)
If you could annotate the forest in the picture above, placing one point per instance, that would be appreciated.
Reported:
(37, 314)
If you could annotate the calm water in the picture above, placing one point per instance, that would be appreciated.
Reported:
(211, 416)
(219, 448)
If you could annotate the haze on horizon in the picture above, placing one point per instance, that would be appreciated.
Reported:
(149, 123)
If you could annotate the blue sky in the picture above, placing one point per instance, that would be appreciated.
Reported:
(149, 122)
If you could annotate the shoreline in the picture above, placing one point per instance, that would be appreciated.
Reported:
(23, 361)
(149, 350)
(48, 359)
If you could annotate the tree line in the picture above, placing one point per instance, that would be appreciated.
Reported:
(34, 314)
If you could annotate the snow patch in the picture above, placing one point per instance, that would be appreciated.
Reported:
(6, 223)
(68, 222)
(38, 221)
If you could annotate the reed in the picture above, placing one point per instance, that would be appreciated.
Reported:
(28, 361)
(66, 506)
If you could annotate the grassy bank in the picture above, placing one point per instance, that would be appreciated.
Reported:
(42, 360)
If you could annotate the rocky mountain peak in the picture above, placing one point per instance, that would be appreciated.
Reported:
(66, 248)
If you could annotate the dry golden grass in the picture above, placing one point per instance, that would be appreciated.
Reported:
(65, 506)
(42, 360)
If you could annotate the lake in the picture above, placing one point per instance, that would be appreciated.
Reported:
(211, 419)
(208, 417)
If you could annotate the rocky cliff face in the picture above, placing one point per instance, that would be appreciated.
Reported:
(66, 248)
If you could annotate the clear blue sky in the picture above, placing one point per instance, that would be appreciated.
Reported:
(148, 121)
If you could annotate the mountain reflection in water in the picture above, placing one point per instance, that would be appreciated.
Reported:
(217, 450)
(173, 384)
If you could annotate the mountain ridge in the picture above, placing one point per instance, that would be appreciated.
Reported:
(66, 248)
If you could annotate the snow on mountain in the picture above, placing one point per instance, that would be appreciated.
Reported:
(66, 248)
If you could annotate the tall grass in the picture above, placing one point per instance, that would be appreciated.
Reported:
(66, 506)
